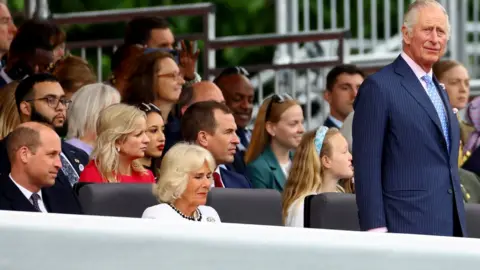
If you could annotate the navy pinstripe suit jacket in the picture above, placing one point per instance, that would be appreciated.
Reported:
(405, 177)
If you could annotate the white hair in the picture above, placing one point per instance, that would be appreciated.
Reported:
(86, 105)
(411, 16)
(177, 165)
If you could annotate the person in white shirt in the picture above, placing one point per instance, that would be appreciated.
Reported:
(322, 163)
(183, 186)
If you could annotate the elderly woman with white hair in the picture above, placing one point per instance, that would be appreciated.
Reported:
(83, 113)
(183, 186)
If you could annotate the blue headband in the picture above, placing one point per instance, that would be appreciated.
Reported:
(319, 137)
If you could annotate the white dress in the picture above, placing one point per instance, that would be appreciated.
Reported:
(165, 212)
(295, 212)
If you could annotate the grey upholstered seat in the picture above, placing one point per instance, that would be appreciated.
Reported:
(248, 206)
(115, 199)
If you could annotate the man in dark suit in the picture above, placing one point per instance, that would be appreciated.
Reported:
(406, 137)
(34, 152)
(211, 125)
(40, 98)
(343, 82)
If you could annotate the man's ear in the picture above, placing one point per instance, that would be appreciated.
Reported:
(202, 139)
(23, 154)
(327, 95)
(405, 35)
(25, 108)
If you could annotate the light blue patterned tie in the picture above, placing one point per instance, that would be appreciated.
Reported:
(69, 171)
(439, 106)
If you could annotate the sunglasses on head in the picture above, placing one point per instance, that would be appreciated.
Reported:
(233, 71)
(276, 98)
(147, 108)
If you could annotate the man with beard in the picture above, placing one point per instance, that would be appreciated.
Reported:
(40, 98)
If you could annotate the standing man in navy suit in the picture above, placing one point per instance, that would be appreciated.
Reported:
(406, 137)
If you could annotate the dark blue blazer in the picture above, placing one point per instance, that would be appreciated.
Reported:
(56, 199)
(405, 177)
(234, 180)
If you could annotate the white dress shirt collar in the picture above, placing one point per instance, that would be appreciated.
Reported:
(419, 72)
(27, 193)
(337, 122)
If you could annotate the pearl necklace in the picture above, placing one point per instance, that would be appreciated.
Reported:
(196, 214)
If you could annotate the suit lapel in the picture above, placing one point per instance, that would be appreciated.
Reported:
(272, 162)
(413, 86)
(18, 201)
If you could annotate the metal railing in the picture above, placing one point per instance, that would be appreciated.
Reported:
(304, 90)
(307, 89)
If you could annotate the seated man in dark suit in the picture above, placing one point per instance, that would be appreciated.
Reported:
(40, 98)
(211, 125)
(34, 153)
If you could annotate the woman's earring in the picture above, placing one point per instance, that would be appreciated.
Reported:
(118, 149)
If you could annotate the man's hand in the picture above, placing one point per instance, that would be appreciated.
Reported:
(188, 59)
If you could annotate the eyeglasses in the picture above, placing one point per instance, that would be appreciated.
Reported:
(147, 108)
(53, 101)
(173, 75)
(277, 98)
(6, 20)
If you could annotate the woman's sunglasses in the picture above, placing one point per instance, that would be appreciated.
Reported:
(147, 108)
(276, 98)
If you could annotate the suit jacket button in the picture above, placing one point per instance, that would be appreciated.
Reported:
(450, 191)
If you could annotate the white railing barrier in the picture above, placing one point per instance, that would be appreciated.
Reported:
(58, 242)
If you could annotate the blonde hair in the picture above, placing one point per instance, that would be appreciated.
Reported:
(86, 105)
(9, 117)
(305, 177)
(177, 164)
(260, 137)
(114, 124)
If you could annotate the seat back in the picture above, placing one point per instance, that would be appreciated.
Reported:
(248, 206)
(472, 212)
(116, 199)
(336, 211)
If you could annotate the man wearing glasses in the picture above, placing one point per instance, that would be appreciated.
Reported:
(40, 98)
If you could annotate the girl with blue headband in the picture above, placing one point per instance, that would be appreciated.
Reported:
(321, 163)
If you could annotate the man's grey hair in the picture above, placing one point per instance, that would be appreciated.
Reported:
(411, 16)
